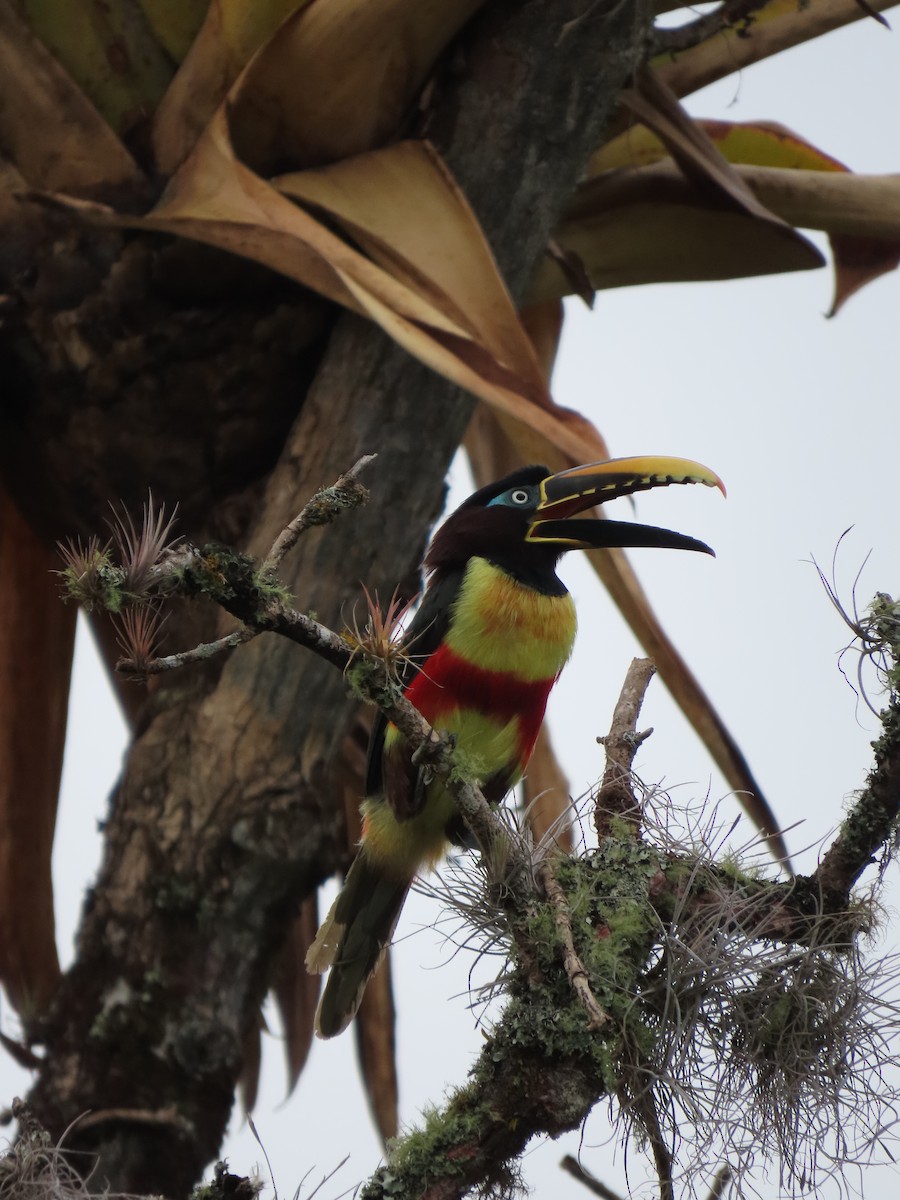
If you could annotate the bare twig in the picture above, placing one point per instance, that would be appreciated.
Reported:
(574, 967)
(574, 1168)
(322, 509)
(682, 37)
(615, 798)
(171, 662)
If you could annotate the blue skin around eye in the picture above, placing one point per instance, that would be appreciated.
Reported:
(505, 498)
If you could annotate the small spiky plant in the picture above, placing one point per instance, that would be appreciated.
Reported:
(95, 578)
(141, 548)
(382, 634)
(138, 633)
(88, 574)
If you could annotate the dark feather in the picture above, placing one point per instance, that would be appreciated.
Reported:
(427, 630)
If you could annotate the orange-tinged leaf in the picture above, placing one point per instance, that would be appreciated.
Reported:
(767, 144)
(37, 636)
(692, 149)
(338, 78)
(858, 261)
(296, 991)
(374, 1026)
(761, 143)
(776, 26)
(230, 35)
(52, 132)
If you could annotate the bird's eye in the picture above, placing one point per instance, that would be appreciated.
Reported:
(520, 496)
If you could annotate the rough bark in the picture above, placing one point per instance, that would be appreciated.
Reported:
(223, 820)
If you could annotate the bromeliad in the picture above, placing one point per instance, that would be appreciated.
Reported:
(493, 631)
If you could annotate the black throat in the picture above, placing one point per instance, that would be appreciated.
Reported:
(532, 566)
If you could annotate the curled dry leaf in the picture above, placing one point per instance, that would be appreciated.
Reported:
(635, 218)
(231, 33)
(858, 261)
(425, 273)
(693, 149)
(651, 226)
(337, 79)
(307, 83)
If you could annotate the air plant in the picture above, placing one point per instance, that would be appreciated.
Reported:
(382, 634)
(140, 549)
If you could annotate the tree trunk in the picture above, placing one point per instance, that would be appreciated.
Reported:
(224, 821)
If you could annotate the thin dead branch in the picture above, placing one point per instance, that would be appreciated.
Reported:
(615, 798)
(574, 967)
(325, 506)
(729, 15)
(577, 1171)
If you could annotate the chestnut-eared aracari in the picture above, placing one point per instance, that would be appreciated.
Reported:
(493, 631)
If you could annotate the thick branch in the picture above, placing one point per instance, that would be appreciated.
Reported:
(872, 821)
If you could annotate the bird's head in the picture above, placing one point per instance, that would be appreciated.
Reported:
(523, 522)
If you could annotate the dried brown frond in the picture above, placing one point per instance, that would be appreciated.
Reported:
(87, 571)
(139, 550)
(382, 634)
(138, 632)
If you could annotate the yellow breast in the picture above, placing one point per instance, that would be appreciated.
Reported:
(502, 625)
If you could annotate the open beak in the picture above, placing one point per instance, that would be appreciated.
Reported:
(579, 488)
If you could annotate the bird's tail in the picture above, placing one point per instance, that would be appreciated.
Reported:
(352, 939)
